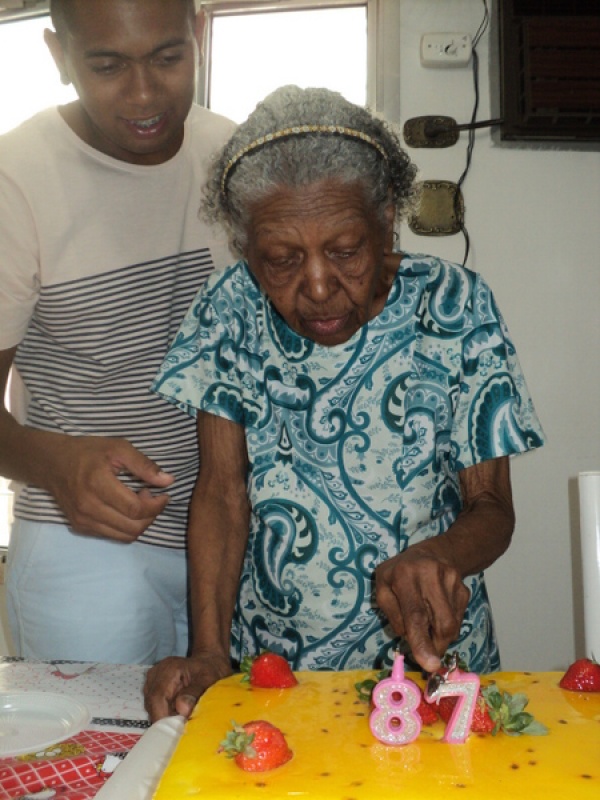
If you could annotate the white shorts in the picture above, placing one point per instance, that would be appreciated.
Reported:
(80, 598)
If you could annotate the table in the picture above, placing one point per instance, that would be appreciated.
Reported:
(77, 768)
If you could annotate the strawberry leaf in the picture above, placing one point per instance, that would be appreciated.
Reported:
(365, 688)
(518, 723)
(535, 728)
(518, 703)
(492, 697)
(245, 667)
(508, 714)
(237, 741)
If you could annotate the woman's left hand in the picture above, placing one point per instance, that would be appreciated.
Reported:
(424, 599)
(421, 590)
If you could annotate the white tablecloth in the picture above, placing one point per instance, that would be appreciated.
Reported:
(112, 693)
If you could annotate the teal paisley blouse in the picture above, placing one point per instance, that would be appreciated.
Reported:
(354, 450)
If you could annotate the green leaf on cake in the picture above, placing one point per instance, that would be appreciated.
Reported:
(509, 715)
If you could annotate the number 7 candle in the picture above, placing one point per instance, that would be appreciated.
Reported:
(464, 686)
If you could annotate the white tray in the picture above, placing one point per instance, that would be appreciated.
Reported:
(137, 776)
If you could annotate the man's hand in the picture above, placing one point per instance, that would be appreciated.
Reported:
(81, 473)
(174, 685)
(424, 599)
(84, 482)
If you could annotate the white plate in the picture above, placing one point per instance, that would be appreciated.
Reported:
(32, 721)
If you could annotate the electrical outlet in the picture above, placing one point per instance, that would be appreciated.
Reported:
(445, 49)
(440, 210)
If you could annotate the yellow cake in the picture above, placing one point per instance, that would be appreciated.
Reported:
(336, 757)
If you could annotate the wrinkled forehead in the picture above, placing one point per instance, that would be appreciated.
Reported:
(325, 208)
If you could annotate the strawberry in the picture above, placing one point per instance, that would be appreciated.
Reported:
(268, 671)
(365, 688)
(482, 721)
(582, 676)
(445, 707)
(496, 711)
(256, 746)
(426, 711)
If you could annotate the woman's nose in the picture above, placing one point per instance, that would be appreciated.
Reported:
(319, 280)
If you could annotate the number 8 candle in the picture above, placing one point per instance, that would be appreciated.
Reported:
(394, 720)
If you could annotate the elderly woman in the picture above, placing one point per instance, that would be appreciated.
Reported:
(356, 409)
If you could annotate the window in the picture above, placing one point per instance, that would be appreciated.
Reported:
(252, 50)
(28, 76)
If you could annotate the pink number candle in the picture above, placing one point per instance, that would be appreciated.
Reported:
(394, 720)
(465, 686)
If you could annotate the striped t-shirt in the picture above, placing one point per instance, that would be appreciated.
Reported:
(99, 261)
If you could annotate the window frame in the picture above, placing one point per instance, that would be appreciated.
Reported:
(22, 9)
(383, 43)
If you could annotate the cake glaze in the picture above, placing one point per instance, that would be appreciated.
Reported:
(336, 757)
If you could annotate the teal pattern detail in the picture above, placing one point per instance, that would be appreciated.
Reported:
(354, 450)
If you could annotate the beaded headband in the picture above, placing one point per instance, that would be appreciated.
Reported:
(296, 130)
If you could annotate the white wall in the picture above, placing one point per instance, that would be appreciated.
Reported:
(533, 216)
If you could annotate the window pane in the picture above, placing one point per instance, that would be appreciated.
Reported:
(28, 76)
(254, 53)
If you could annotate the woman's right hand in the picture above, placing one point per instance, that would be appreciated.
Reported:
(174, 685)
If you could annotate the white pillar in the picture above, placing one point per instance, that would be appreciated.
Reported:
(589, 507)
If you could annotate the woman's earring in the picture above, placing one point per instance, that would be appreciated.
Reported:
(392, 242)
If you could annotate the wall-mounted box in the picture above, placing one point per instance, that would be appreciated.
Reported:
(550, 69)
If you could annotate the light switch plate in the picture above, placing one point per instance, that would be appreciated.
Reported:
(446, 49)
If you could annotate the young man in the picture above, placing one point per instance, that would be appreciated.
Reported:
(101, 251)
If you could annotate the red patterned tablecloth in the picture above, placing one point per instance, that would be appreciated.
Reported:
(75, 768)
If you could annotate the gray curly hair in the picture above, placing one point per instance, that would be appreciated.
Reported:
(362, 149)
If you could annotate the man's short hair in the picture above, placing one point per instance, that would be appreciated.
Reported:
(61, 14)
